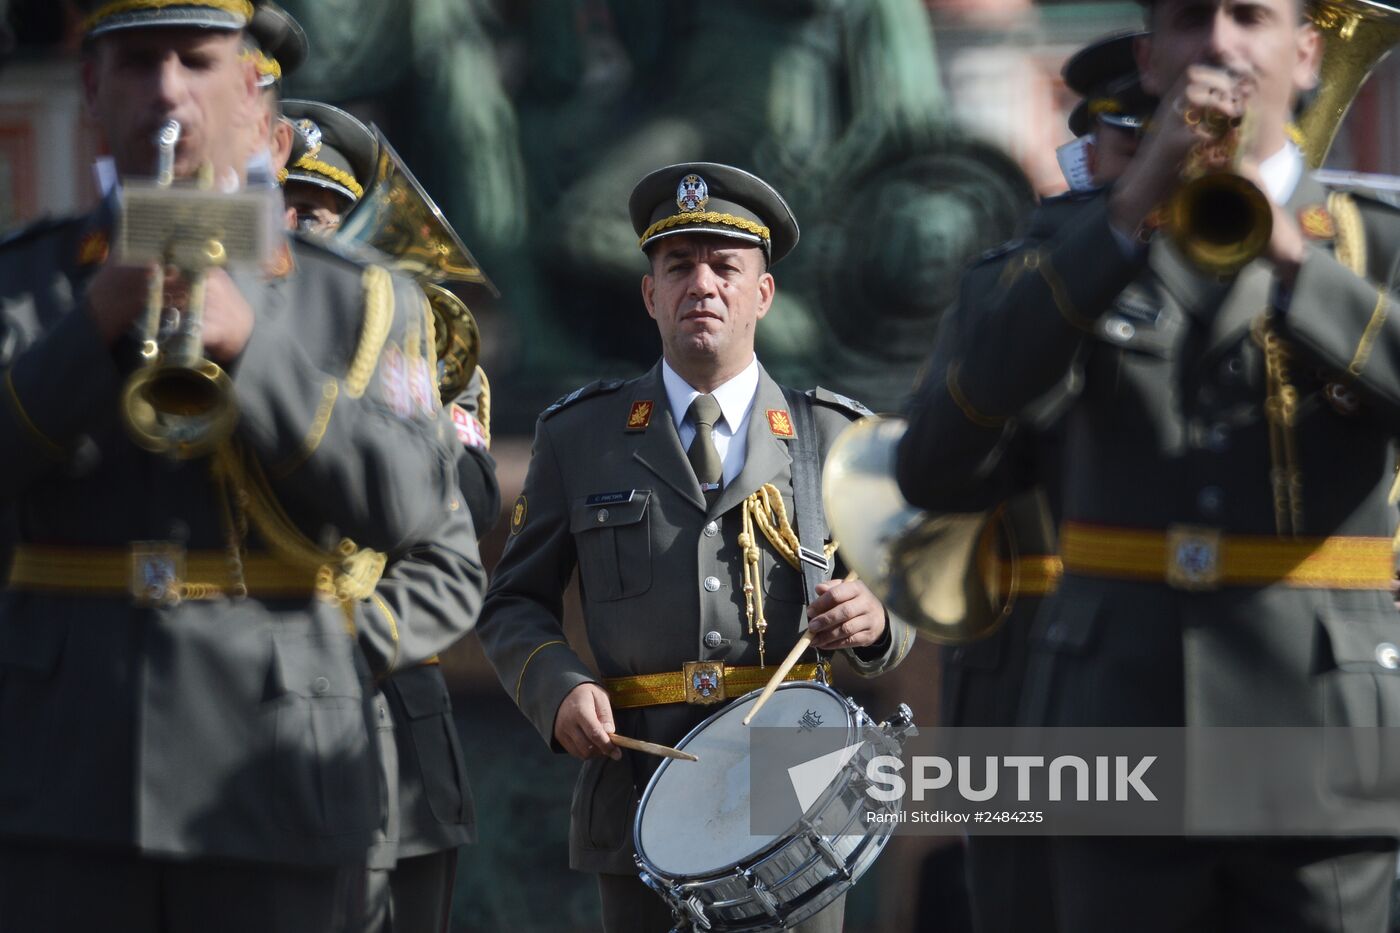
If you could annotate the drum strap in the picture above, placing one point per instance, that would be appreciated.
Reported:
(807, 494)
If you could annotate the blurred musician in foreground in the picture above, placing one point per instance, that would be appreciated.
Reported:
(1225, 536)
(982, 681)
(413, 863)
(185, 714)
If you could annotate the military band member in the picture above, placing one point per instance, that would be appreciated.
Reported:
(1224, 565)
(982, 681)
(278, 47)
(188, 741)
(415, 613)
(643, 486)
(1113, 109)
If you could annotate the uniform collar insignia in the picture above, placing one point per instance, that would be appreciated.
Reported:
(640, 416)
(780, 423)
(282, 264)
(93, 248)
(1317, 222)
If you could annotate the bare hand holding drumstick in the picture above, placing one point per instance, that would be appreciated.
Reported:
(840, 618)
(584, 726)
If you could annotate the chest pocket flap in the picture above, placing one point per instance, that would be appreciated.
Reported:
(614, 546)
(1140, 321)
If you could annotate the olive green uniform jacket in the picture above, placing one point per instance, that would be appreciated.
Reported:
(217, 727)
(1168, 427)
(657, 574)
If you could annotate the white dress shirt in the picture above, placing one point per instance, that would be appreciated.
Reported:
(731, 432)
(1281, 172)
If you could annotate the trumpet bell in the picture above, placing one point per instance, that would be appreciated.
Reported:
(1220, 221)
(929, 569)
(458, 341)
(184, 411)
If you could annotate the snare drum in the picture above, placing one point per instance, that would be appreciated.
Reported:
(694, 842)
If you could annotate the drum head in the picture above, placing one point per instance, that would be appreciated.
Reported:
(694, 817)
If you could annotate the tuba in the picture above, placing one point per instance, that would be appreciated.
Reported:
(1356, 36)
(931, 570)
(398, 218)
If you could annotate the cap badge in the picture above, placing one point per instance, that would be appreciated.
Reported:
(311, 133)
(692, 194)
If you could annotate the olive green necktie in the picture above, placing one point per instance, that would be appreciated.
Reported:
(704, 459)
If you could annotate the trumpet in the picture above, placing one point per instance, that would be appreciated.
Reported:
(1219, 219)
(177, 402)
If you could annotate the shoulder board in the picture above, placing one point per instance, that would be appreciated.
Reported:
(353, 253)
(836, 400)
(601, 387)
(35, 230)
(1071, 196)
(996, 252)
(1373, 198)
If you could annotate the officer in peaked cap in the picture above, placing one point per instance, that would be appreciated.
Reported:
(279, 44)
(1113, 109)
(412, 864)
(185, 711)
(644, 486)
(278, 47)
(333, 157)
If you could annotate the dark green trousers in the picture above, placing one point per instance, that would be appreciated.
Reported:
(1223, 886)
(75, 890)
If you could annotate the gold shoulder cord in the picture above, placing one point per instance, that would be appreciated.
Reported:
(1281, 396)
(1281, 410)
(350, 573)
(765, 508)
(483, 406)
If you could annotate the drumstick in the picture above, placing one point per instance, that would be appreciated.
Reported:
(789, 662)
(651, 748)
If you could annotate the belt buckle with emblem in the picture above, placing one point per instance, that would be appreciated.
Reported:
(1193, 557)
(157, 570)
(704, 682)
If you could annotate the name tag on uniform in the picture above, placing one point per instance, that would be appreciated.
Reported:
(610, 498)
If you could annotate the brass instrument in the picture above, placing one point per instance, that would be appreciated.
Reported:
(928, 569)
(1219, 219)
(1357, 35)
(178, 402)
(398, 218)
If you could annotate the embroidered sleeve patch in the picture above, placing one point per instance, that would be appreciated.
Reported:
(394, 380)
(517, 515)
(469, 430)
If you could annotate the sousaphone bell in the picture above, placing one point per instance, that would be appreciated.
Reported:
(398, 218)
(935, 571)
